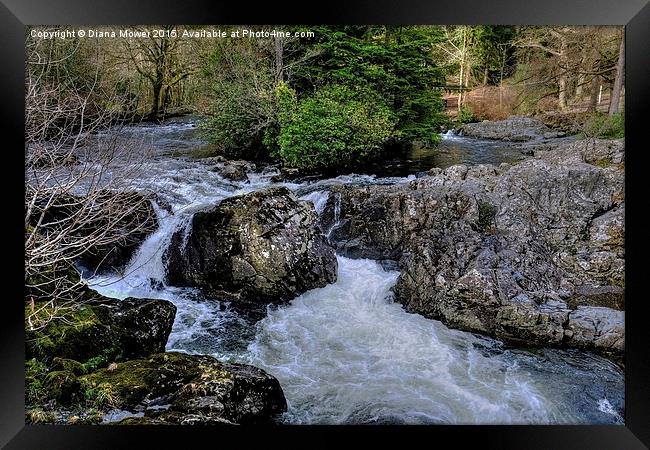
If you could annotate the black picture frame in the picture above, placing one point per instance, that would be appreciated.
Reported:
(15, 15)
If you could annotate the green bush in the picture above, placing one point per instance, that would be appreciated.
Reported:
(604, 126)
(336, 127)
(465, 115)
(395, 62)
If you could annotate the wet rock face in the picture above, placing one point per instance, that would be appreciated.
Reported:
(111, 329)
(191, 389)
(234, 170)
(142, 325)
(531, 253)
(595, 326)
(265, 245)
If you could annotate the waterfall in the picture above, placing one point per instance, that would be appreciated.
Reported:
(337, 215)
(146, 270)
(318, 198)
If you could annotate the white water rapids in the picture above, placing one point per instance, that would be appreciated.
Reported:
(346, 353)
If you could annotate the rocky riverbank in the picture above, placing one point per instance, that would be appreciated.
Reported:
(532, 253)
(526, 134)
(108, 355)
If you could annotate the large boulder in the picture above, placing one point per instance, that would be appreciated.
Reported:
(104, 330)
(194, 389)
(529, 253)
(265, 245)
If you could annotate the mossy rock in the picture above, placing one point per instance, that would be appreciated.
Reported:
(70, 365)
(486, 214)
(140, 421)
(102, 330)
(198, 388)
(77, 335)
(134, 381)
(62, 386)
(46, 283)
(35, 372)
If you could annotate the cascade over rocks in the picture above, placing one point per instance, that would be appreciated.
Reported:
(531, 253)
(265, 246)
(234, 170)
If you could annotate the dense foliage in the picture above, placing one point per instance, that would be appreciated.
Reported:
(394, 62)
(242, 107)
(337, 126)
(342, 80)
(356, 89)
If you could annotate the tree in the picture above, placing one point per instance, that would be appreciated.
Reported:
(456, 51)
(336, 127)
(160, 61)
(240, 78)
(617, 89)
(75, 196)
(395, 64)
(394, 61)
(553, 41)
(493, 48)
(560, 60)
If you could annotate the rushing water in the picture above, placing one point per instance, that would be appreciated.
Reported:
(346, 353)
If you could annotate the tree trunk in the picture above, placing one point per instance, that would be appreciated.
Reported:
(155, 104)
(460, 85)
(615, 96)
(503, 64)
(593, 98)
(562, 82)
(581, 76)
(463, 55)
(166, 98)
(279, 51)
(579, 86)
(485, 76)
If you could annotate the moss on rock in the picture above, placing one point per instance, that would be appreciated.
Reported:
(70, 365)
(133, 381)
(62, 386)
(194, 386)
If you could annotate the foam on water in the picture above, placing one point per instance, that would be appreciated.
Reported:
(346, 353)
(318, 198)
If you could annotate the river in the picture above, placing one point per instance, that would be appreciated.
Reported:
(346, 353)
